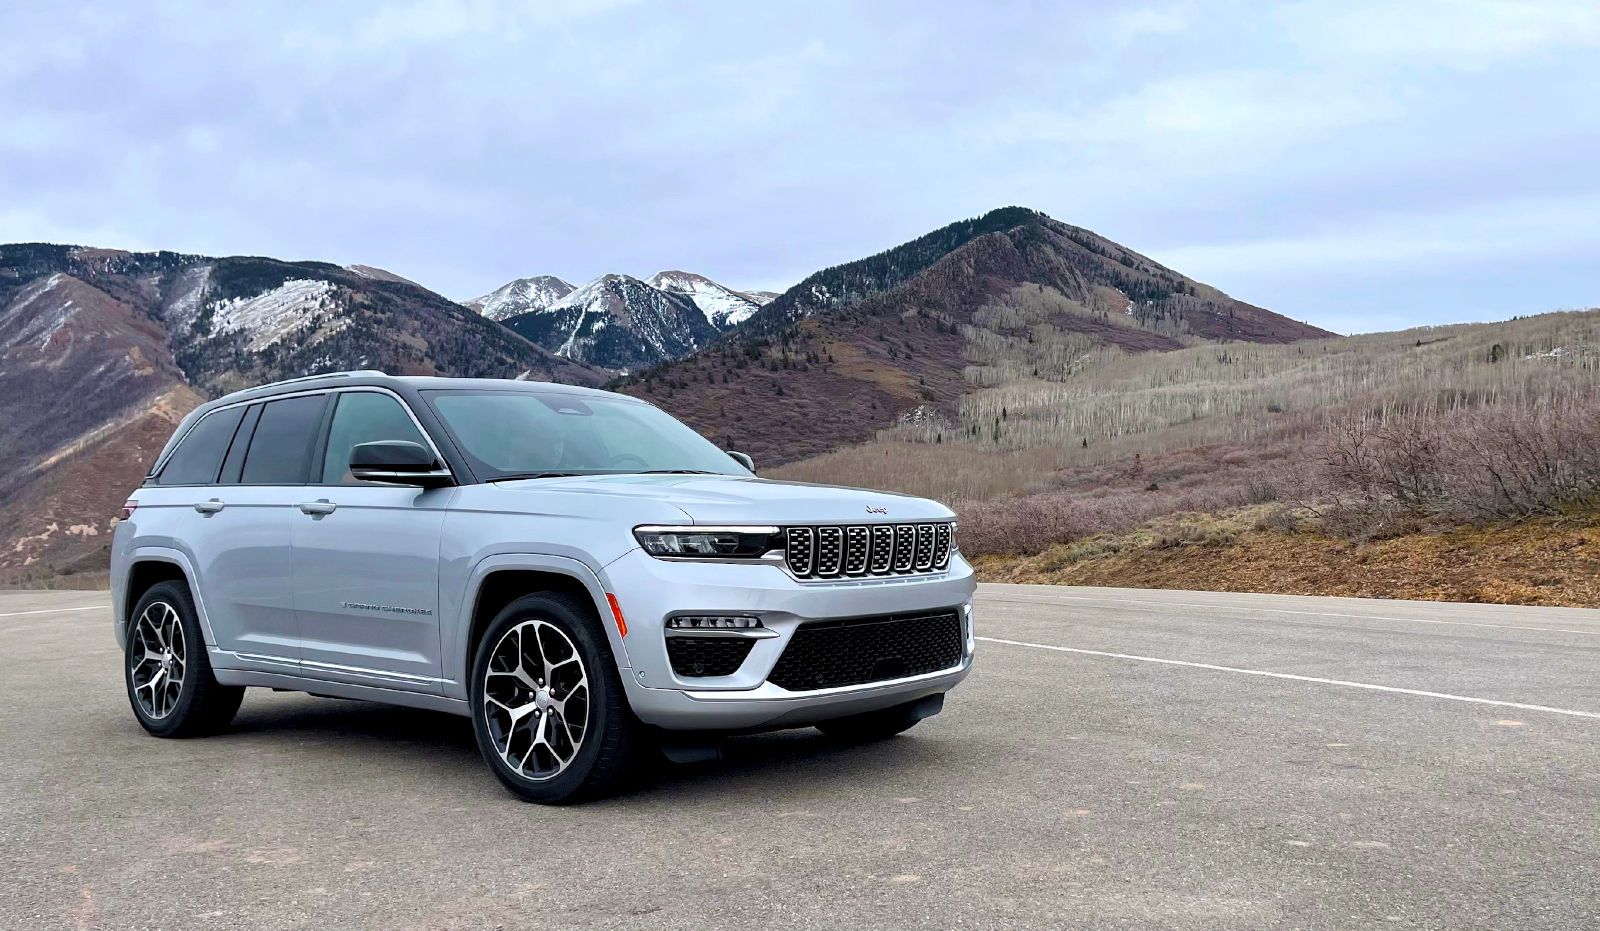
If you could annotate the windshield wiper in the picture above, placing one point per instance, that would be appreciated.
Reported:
(677, 472)
(514, 476)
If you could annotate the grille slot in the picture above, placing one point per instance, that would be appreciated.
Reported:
(882, 549)
(857, 651)
(857, 542)
(830, 550)
(941, 546)
(861, 550)
(905, 545)
(698, 657)
(924, 546)
(799, 545)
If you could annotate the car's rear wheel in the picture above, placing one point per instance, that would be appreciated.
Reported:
(547, 703)
(170, 683)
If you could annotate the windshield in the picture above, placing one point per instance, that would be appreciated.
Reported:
(524, 434)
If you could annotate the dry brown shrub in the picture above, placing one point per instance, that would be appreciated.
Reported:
(1503, 461)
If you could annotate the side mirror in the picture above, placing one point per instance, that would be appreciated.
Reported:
(397, 462)
(743, 459)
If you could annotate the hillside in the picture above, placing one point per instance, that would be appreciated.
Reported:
(1458, 462)
(903, 336)
(103, 351)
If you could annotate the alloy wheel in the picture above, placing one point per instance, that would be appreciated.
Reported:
(536, 699)
(158, 659)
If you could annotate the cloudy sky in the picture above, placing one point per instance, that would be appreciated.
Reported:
(1363, 164)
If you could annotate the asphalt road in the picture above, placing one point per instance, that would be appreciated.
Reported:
(1123, 762)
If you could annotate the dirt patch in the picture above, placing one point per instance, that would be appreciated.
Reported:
(1542, 562)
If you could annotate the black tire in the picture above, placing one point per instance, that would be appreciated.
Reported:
(201, 705)
(881, 724)
(610, 735)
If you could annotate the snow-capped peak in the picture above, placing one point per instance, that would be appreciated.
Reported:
(724, 307)
(522, 296)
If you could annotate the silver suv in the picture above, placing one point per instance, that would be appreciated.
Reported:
(579, 573)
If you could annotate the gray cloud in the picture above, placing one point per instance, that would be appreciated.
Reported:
(1359, 163)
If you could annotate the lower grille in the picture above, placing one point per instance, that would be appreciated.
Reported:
(697, 657)
(828, 654)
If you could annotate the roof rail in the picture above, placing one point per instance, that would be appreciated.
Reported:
(290, 381)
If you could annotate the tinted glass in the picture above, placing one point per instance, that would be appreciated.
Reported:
(199, 455)
(515, 433)
(363, 417)
(282, 441)
(234, 463)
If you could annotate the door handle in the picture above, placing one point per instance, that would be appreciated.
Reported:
(209, 507)
(318, 508)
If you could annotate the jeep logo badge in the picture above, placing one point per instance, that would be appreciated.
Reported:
(873, 510)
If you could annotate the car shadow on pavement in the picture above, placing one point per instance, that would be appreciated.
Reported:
(390, 732)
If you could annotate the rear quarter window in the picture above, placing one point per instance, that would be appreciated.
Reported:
(198, 457)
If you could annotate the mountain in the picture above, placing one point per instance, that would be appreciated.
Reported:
(904, 336)
(723, 306)
(521, 296)
(619, 322)
(103, 351)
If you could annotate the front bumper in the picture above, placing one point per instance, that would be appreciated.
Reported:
(649, 590)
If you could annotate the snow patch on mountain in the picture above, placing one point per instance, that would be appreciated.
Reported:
(272, 315)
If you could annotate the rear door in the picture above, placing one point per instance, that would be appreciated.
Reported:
(245, 523)
(366, 557)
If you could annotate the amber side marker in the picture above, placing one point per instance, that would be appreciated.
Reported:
(616, 612)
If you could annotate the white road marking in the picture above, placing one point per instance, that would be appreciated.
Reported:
(1363, 617)
(1295, 678)
(58, 610)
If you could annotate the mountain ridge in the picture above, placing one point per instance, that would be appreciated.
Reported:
(623, 323)
(102, 351)
(905, 334)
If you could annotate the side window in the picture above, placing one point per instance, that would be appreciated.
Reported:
(282, 441)
(363, 417)
(199, 453)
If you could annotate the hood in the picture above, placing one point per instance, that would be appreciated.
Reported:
(734, 499)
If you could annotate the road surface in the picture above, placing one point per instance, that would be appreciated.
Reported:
(1118, 759)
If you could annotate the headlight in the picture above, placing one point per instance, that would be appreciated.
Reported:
(706, 542)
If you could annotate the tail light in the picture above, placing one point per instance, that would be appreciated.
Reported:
(128, 507)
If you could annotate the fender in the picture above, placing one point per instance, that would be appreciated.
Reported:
(164, 554)
(454, 641)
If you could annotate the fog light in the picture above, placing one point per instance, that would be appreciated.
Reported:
(713, 622)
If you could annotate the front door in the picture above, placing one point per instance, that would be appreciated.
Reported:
(366, 558)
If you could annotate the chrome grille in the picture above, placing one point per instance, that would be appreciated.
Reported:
(866, 550)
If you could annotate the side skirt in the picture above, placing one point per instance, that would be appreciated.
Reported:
(275, 680)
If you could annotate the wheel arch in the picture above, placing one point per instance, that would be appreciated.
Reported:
(499, 580)
(148, 568)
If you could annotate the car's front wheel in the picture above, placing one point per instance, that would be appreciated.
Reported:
(547, 703)
(169, 678)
